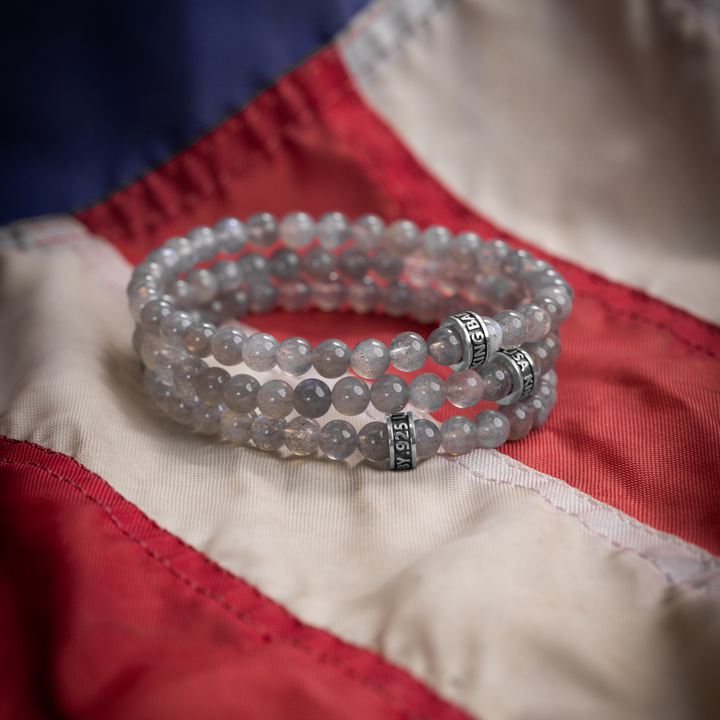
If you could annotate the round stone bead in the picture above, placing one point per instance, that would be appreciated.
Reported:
(331, 358)
(547, 393)
(312, 398)
(541, 355)
(159, 393)
(367, 232)
(426, 304)
(554, 310)
(302, 436)
(332, 230)
(235, 427)
(165, 363)
(464, 388)
(275, 399)
(561, 297)
(240, 393)
(206, 418)
(496, 381)
(520, 419)
(198, 338)
(165, 256)
(402, 237)
(230, 234)
(338, 439)
(494, 335)
(364, 295)
(180, 410)
(204, 285)
(552, 342)
(186, 253)
(550, 377)
(235, 304)
(408, 351)
(372, 441)
(227, 345)
(350, 396)
(492, 255)
(259, 352)
(453, 278)
(255, 268)
(294, 356)
(465, 250)
(428, 437)
(297, 229)
(153, 314)
(389, 393)
(436, 241)
(285, 264)
(445, 346)
(203, 242)
(210, 383)
(262, 298)
(294, 295)
(137, 338)
(268, 433)
(181, 293)
(419, 270)
(262, 230)
(318, 263)
(458, 435)
(387, 266)
(370, 358)
(173, 327)
(514, 328)
(427, 391)
(493, 428)
(185, 377)
(330, 295)
(538, 321)
(396, 298)
(139, 298)
(228, 275)
(354, 263)
(538, 409)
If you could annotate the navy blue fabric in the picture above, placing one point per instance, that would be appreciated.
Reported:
(94, 93)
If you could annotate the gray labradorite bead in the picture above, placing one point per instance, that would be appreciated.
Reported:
(445, 346)
(464, 388)
(294, 295)
(372, 441)
(255, 268)
(312, 398)
(240, 393)
(165, 363)
(297, 229)
(354, 263)
(259, 352)
(496, 381)
(294, 356)
(262, 297)
(206, 418)
(459, 435)
(364, 295)
(150, 348)
(235, 427)
(285, 264)
(331, 358)
(427, 391)
(514, 327)
(390, 393)
(228, 274)
(493, 428)
(185, 377)
(338, 439)
(173, 327)
(402, 237)
(267, 433)
(275, 399)
(396, 298)
(538, 320)
(370, 358)
(198, 339)
(227, 345)
(332, 230)
(350, 396)
(329, 296)
(230, 234)
(204, 285)
(210, 383)
(302, 436)
(318, 263)
(153, 314)
(520, 419)
(262, 230)
(408, 351)
(367, 232)
(428, 438)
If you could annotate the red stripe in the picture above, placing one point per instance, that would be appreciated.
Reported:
(105, 615)
(637, 420)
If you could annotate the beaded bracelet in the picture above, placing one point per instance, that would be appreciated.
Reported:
(461, 281)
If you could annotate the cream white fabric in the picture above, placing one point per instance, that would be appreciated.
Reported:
(507, 591)
(590, 128)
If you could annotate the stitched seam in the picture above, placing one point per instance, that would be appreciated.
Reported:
(708, 563)
(373, 685)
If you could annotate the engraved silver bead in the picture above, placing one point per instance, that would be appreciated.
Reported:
(402, 441)
(471, 328)
(523, 372)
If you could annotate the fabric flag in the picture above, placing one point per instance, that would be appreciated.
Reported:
(149, 571)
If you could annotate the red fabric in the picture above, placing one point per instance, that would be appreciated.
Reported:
(105, 615)
(636, 424)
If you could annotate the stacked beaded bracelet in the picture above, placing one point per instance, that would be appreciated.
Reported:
(431, 275)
